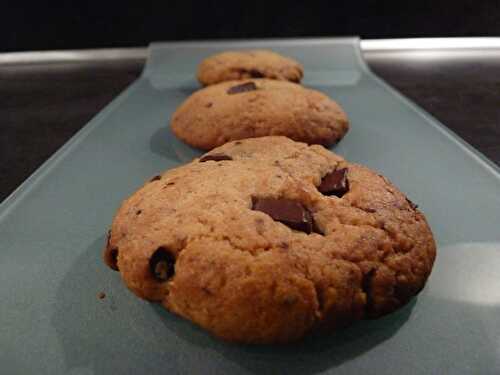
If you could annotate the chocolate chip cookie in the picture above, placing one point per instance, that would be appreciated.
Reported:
(266, 239)
(255, 108)
(234, 65)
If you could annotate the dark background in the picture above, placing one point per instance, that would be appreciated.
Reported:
(82, 24)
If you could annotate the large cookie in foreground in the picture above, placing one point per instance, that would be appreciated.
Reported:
(233, 65)
(266, 239)
(255, 108)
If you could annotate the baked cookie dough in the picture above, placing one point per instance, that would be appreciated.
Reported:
(255, 108)
(233, 65)
(265, 240)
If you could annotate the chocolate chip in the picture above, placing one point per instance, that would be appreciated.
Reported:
(244, 87)
(155, 178)
(101, 295)
(255, 74)
(284, 245)
(215, 157)
(335, 183)
(138, 212)
(111, 257)
(162, 264)
(412, 205)
(289, 212)
(290, 300)
(366, 286)
(208, 105)
(110, 254)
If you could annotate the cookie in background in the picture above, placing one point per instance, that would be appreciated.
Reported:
(234, 65)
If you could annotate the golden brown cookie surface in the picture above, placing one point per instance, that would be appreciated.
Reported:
(266, 239)
(234, 65)
(255, 108)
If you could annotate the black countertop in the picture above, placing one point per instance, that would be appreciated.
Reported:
(44, 102)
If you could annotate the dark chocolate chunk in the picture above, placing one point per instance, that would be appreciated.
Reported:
(244, 87)
(110, 254)
(215, 157)
(155, 178)
(366, 286)
(286, 211)
(284, 245)
(111, 257)
(335, 183)
(254, 73)
(412, 205)
(162, 264)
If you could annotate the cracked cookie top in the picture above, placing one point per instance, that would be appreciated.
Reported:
(266, 239)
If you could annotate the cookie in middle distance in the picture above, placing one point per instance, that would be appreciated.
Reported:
(235, 110)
